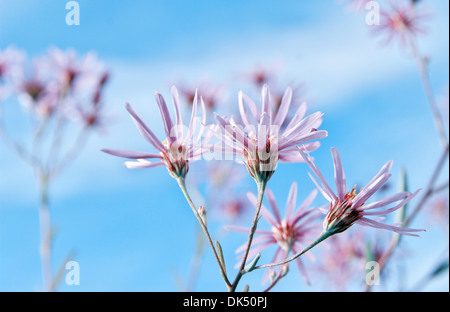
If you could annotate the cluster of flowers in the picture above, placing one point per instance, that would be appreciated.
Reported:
(261, 139)
(59, 83)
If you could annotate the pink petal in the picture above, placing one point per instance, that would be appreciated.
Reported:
(130, 154)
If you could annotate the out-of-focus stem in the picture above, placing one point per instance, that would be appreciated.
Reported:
(71, 154)
(46, 232)
(427, 193)
(182, 183)
(196, 262)
(423, 69)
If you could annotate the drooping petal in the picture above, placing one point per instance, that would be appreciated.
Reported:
(142, 164)
(319, 175)
(130, 154)
(389, 210)
(144, 130)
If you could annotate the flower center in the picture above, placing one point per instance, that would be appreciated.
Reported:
(342, 215)
(285, 234)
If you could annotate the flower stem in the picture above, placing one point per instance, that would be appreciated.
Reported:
(423, 69)
(182, 183)
(261, 188)
(320, 239)
(45, 233)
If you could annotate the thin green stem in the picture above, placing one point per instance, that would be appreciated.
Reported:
(182, 183)
(320, 239)
(261, 189)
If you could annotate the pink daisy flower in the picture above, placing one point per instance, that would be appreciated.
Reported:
(349, 207)
(177, 150)
(290, 234)
(402, 23)
(259, 141)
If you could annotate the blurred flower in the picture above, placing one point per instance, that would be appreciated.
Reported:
(290, 234)
(75, 72)
(402, 22)
(439, 210)
(343, 259)
(356, 5)
(176, 150)
(211, 95)
(348, 207)
(259, 142)
(11, 60)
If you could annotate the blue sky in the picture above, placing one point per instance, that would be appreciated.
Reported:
(131, 229)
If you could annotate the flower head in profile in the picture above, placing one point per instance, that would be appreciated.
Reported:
(290, 234)
(349, 207)
(180, 146)
(402, 22)
(261, 141)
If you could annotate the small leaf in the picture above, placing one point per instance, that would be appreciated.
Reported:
(441, 268)
(251, 266)
(246, 288)
(221, 258)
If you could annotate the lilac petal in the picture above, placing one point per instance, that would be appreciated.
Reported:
(176, 106)
(265, 100)
(284, 107)
(304, 126)
(142, 164)
(167, 121)
(194, 112)
(378, 225)
(273, 204)
(292, 155)
(251, 105)
(304, 205)
(254, 251)
(369, 190)
(339, 174)
(203, 126)
(387, 200)
(255, 242)
(385, 169)
(234, 133)
(237, 228)
(277, 257)
(130, 154)
(319, 175)
(315, 135)
(321, 190)
(302, 270)
(386, 211)
(292, 199)
(245, 117)
(299, 114)
(264, 212)
(144, 130)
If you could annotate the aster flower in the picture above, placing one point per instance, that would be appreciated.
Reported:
(11, 60)
(402, 23)
(289, 234)
(259, 141)
(77, 73)
(342, 260)
(349, 207)
(177, 150)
